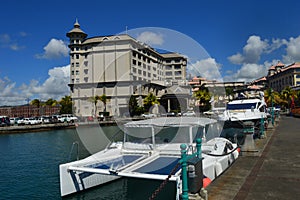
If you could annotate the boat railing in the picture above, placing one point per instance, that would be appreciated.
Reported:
(112, 140)
(76, 143)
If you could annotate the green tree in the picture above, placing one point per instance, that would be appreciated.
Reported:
(51, 102)
(94, 100)
(134, 108)
(288, 95)
(270, 96)
(35, 102)
(203, 96)
(66, 105)
(103, 98)
(149, 101)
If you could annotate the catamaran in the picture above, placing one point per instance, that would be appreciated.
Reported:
(151, 149)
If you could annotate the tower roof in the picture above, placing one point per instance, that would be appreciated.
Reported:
(76, 29)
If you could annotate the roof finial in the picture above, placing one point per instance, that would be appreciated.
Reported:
(76, 25)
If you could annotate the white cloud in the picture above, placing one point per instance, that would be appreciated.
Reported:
(249, 72)
(251, 51)
(55, 87)
(54, 49)
(151, 38)
(207, 68)
(276, 44)
(292, 50)
(249, 60)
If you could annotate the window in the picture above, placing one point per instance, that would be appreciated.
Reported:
(134, 62)
(77, 64)
(178, 73)
(77, 56)
(168, 67)
(168, 73)
(77, 72)
(177, 66)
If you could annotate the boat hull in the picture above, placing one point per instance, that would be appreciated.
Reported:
(73, 181)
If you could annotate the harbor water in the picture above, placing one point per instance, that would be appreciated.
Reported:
(30, 167)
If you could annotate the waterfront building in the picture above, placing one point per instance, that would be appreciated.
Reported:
(120, 66)
(281, 76)
(29, 110)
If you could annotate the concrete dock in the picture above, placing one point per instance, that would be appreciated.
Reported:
(271, 171)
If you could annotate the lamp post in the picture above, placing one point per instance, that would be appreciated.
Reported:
(272, 102)
(27, 106)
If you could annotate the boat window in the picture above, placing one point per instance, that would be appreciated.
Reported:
(241, 106)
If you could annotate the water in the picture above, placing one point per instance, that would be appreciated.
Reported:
(29, 168)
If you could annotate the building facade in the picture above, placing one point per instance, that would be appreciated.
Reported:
(119, 66)
(281, 76)
(29, 110)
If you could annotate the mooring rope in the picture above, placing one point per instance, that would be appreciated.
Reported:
(163, 184)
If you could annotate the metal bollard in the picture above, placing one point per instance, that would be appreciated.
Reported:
(185, 195)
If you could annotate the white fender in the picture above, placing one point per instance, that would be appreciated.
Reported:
(218, 169)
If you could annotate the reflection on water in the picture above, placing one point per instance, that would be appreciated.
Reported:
(127, 189)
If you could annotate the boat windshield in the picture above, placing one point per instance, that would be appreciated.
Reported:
(163, 135)
(241, 106)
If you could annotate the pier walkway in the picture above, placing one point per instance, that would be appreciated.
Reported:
(271, 172)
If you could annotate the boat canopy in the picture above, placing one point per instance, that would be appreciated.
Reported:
(172, 122)
(169, 129)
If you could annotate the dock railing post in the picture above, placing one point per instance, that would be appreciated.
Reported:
(185, 195)
(198, 147)
(262, 127)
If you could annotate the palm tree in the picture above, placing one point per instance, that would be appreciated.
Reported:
(94, 100)
(35, 102)
(66, 105)
(272, 97)
(289, 96)
(204, 97)
(51, 102)
(150, 100)
(103, 98)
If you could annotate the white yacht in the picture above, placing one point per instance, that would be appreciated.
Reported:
(151, 149)
(244, 109)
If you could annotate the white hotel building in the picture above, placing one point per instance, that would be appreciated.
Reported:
(120, 66)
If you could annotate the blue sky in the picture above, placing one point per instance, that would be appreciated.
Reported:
(242, 38)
